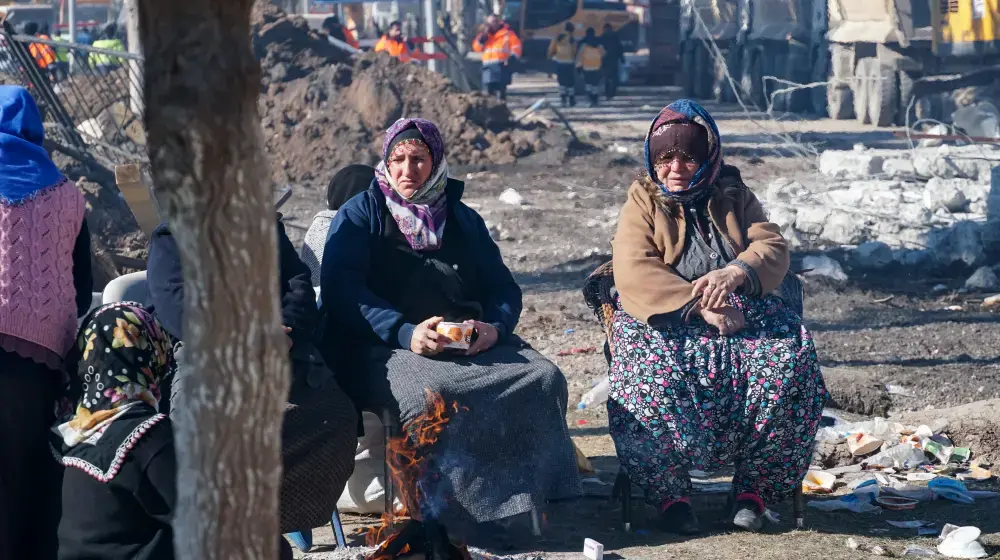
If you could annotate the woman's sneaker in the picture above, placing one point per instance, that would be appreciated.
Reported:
(749, 515)
(679, 518)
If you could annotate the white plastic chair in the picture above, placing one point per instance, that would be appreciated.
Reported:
(130, 287)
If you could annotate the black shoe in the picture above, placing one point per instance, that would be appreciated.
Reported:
(679, 518)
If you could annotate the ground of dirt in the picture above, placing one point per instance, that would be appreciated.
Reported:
(874, 331)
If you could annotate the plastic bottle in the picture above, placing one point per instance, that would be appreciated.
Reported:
(597, 395)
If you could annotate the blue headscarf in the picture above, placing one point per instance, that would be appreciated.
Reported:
(25, 167)
(688, 111)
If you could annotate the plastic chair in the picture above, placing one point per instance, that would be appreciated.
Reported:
(129, 287)
(601, 296)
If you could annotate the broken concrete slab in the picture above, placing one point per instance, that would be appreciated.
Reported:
(850, 165)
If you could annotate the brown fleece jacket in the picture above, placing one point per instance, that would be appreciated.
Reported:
(650, 241)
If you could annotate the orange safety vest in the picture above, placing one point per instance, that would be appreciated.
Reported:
(349, 37)
(44, 55)
(395, 48)
(499, 46)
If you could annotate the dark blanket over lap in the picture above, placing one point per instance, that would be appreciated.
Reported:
(510, 451)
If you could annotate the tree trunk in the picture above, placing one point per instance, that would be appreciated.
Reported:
(211, 177)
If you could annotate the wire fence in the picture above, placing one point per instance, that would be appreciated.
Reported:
(90, 98)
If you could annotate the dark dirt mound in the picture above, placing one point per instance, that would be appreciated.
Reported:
(114, 232)
(320, 112)
(286, 47)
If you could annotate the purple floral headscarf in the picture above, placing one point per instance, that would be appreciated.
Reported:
(421, 217)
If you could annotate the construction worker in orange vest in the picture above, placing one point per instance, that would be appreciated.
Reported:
(392, 42)
(44, 55)
(501, 48)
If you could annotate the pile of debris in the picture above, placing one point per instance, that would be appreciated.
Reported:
(320, 112)
(880, 464)
(928, 207)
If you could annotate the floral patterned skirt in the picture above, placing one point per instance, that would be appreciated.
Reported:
(685, 397)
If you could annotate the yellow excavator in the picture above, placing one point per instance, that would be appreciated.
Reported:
(891, 62)
(537, 22)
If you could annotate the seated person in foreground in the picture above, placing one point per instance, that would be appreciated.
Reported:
(708, 367)
(318, 434)
(120, 486)
(403, 257)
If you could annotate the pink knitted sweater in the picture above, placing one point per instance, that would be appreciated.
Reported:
(37, 297)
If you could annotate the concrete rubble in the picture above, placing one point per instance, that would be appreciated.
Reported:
(929, 206)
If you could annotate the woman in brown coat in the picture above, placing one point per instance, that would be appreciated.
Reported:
(708, 367)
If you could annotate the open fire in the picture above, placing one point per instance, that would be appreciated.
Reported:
(413, 529)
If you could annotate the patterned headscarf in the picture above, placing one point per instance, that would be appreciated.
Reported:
(687, 111)
(124, 355)
(420, 217)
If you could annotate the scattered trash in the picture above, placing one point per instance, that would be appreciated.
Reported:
(940, 447)
(574, 351)
(992, 301)
(962, 542)
(947, 530)
(954, 308)
(818, 482)
(960, 455)
(569, 331)
(939, 288)
(975, 474)
(914, 524)
(950, 489)
(877, 551)
(903, 456)
(823, 265)
(772, 516)
(844, 505)
(599, 394)
(926, 531)
(582, 422)
(897, 503)
(852, 544)
(914, 550)
(899, 390)
(920, 476)
(863, 444)
(510, 196)
(861, 501)
(593, 550)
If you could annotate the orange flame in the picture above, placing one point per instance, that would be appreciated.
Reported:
(404, 455)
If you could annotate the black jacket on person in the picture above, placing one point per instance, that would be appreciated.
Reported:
(166, 285)
(128, 517)
(298, 299)
(614, 51)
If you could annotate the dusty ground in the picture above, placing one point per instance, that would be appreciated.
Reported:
(935, 357)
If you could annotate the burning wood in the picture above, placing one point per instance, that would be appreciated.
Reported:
(417, 531)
